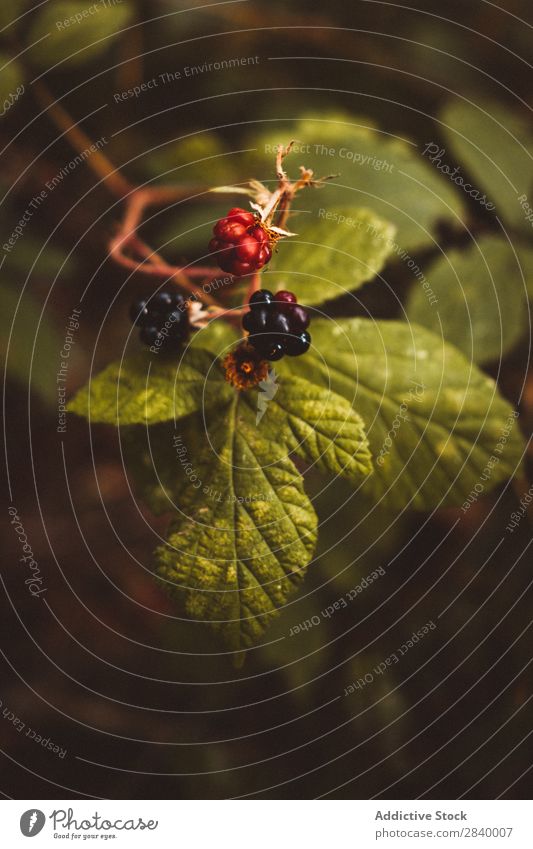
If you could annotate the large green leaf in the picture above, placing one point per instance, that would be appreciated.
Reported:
(496, 148)
(245, 536)
(433, 419)
(145, 389)
(75, 32)
(315, 424)
(375, 170)
(319, 426)
(333, 255)
(246, 530)
(478, 297)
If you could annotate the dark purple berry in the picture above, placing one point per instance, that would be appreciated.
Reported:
(139, 312)
(164, 321)
(161, 302)
(177, 320)
(148, 334)
(274, 352)
(299, 318)
(280, 323)
(276, 325)
(261, 298)
(295, 346)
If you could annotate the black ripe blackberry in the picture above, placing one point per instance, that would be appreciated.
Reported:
(163, 320)
(277, 325)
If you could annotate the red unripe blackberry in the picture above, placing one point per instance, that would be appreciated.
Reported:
(285, 297)
(240, 243)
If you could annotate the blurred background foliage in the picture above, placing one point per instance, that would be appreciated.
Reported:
(383, 80)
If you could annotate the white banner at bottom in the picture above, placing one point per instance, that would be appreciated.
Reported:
(264, 824)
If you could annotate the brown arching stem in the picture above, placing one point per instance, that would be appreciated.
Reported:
(97, 161)
(128, 249)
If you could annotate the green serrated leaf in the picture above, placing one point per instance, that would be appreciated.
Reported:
(246, 530)
(319, 426)
(375, 170)
(73, 32)
(145, 389)
(11, 82)
(495, 146)
(240, 548)
(433, 420)
(478, 297)
(333, 255)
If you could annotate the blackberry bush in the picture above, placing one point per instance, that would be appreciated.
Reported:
(390, 407)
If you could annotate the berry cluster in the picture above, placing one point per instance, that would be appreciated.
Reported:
(240, 243)
(277, 325)
(164, 321)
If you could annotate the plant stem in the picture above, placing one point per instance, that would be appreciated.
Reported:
(100, 164)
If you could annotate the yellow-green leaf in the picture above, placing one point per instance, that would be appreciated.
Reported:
(145, 389)
(334, 252)
(479, 297)
(246, 531)
(434, 421)
(495, 147)
(75, 32)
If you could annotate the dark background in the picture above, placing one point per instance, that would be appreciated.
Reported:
(146, 705)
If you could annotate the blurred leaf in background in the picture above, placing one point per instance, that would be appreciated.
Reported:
(29, 342)
(495, 146)
(481, 297)
(11, 82)
(375, 169)
(333, 255)
(75, 32)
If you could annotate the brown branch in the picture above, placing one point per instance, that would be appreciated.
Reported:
(127, 240)
(100, 164)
